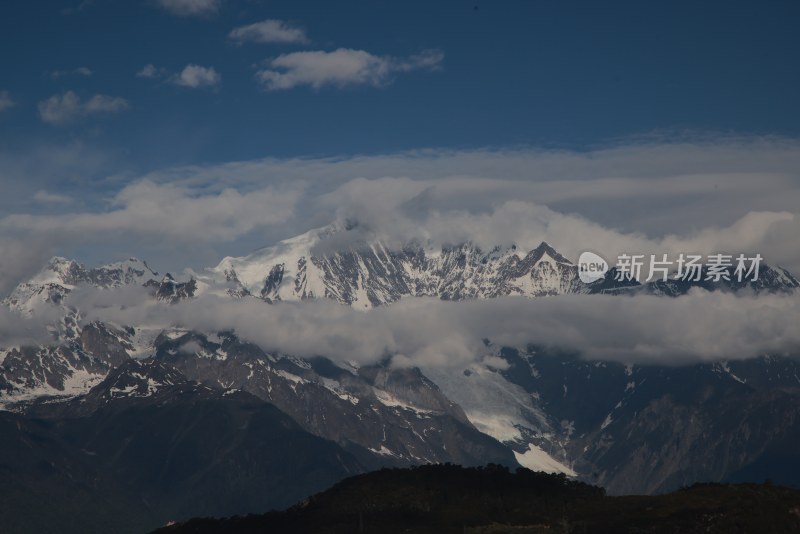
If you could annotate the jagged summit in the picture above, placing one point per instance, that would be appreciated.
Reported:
(545, 250)
(328, 263)
(347, 262)
(69, 273)
(60, 276)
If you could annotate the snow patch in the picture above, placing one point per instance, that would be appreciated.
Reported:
(387, 399)
(608, 420)
(536, 459)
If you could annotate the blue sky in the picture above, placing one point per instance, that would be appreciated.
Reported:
(183, 130)
(560, 74)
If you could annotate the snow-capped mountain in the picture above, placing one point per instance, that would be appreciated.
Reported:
(543, 410)
(79, 354)
(60, 276)
(770, 280)
(365, 274)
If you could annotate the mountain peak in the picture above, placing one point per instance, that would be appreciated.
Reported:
(345, 265)
(544, 249)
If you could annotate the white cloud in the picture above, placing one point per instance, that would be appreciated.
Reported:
(187, 8)
(104, 104)
(20, 259)
(164, 211)
(340, 68)
(740, 195)
(150, 71)
(18, 330)
(428, 59)
(5, 101)
(269, 31)
(80, 71)
(61, 109)
(51, 198)
(396, 210)
(700, 326)
(192, 76)
(705, 196)
(195, 76)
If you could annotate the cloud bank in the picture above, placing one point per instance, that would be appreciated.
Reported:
(728, 195)
(168, 212)
(643, 329)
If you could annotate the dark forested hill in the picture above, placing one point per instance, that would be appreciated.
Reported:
(447, 498)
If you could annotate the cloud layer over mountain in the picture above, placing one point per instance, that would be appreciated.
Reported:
(702, 197)
(706, 196)
(700, 326)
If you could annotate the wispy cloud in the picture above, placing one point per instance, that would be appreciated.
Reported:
(150, 71)
(104, 104)
(269, 31)
(85, 4)
(61, 109)
(195, 76)
(80, 71)
(192, 76)
(189, 8)
(51, 198)
(341, 68)
(6, 101)
(148, 209)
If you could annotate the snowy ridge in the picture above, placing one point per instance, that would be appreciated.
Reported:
(367, 274)
(60, 276)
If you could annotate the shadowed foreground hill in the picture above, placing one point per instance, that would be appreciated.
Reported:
(448, 498)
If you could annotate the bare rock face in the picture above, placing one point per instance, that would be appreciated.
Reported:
(650, 429)
(396, 417)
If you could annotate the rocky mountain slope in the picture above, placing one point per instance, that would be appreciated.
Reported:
(146, 446)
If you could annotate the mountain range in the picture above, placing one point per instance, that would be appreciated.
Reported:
(146, 423)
